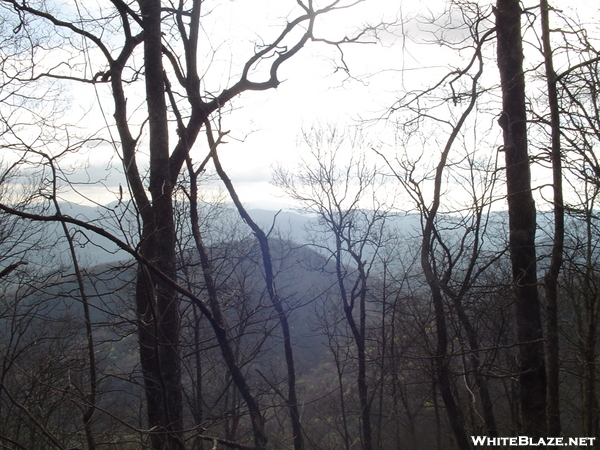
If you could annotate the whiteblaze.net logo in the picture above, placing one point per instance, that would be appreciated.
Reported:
(526, 441)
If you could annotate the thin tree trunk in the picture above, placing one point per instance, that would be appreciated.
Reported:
(443, 373)
(438, 419)
(442, 359)
(522, 221)
(590, 400)
(198, 406)
(340, 377)
(263, 241)
(480, 380)
(383, 362)
(411, 421)
(590, 406)
(218, 323)
(358, 333)
(551, 279)
(90, 409)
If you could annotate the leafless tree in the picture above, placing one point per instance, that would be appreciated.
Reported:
(350, 204)
(451, 269)
(522, 217)
(109, 46)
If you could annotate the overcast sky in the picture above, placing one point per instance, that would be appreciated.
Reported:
(266, 127)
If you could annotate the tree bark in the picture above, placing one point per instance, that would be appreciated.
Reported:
(551, 278)
(359, 335)
(442, 358)
(522, 218)
(590, 298)
(282, 315)
(219, 325)
(157, 302)
(480, 380)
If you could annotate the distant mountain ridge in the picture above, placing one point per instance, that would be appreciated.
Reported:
(222, 221)
(119, 218)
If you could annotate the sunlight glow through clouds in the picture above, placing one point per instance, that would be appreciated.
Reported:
(264, 127)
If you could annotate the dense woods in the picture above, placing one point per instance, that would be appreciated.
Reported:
(438, 279)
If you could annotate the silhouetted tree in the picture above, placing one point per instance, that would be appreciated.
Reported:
(522, 218)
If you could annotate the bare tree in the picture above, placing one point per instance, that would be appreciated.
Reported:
(522, 218)
(579, 132)
(451, 269)
(349, 202)
(165, 41)
(551, 278)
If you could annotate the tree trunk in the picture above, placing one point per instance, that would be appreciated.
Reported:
(443, 374)
(157, 302)
(480, 380)
(551, 279)
(590, 298)
(359, 334)
(282, 315)
(442, 359)
(218, 323)
(522, 220)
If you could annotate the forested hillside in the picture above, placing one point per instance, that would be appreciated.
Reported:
(434, 279)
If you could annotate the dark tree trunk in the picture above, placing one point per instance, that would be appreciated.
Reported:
(442, 367)
(90, 409)
(282, 315)
(589, 338)
(480, 380)
(443, 374)
(359, 335)
(442, 359)
(157, 302)
(522, 220)
(438, 419)
(218, 323)
(551, 279)
(590, 403)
